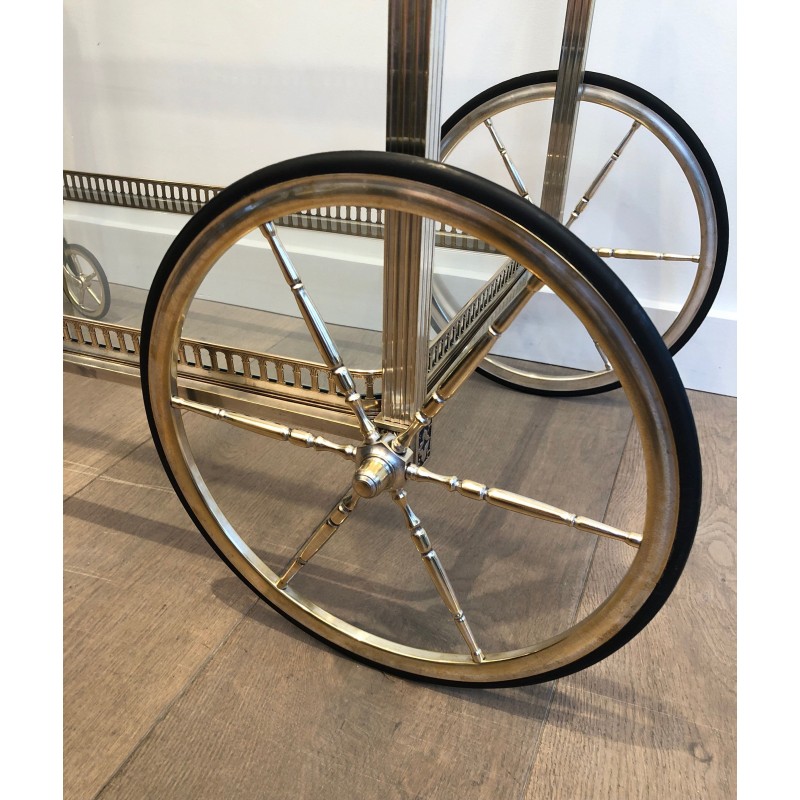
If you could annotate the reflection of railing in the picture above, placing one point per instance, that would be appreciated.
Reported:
(189, 198)
(225, 366)
(114, 348)
(115, 190)
(242, 367)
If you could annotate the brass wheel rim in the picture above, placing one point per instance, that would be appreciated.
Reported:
(650, 413)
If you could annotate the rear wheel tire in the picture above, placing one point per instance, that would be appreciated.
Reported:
(533, 94)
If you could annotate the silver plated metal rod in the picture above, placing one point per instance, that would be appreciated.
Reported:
(321, 534)
(602, 175)
(273, 430)
(644, 255)
(413, 123)
(606, 362)
(438, 575)
(577, 25)
(511, 501)
(511, 167)
(319, 333)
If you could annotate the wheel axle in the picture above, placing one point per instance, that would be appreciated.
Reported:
(380, 468)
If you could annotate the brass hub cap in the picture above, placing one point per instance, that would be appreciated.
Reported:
(380, 468)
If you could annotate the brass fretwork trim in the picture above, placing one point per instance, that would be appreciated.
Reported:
(225, 366)
(473, 319)
(188, 198)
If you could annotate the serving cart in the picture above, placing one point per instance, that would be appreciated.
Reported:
(366, 435)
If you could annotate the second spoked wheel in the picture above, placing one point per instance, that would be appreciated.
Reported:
(85, 283)
(643, 192)
(480, 567)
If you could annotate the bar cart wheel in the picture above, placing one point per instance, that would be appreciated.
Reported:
(85, 282)
(640, 113)
(382, 460)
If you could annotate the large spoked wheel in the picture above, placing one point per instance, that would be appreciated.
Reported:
(449, 578)
(85, 282)
(643, 193)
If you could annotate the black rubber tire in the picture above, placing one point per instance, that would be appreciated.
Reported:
(695, 146)
(621, 301)
(77, 250)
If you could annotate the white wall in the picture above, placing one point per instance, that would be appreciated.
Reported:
(206, 92)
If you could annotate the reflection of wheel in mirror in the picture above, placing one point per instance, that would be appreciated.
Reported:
(643, 193)
(85, 282)
(413, 568)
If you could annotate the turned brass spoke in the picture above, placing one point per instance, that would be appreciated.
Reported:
(644, 255)
(320, 334)
(438, 574)
(510, 166)
(606, 362)
(521, 504)
(262, 427)
(94, 296)
(321, 534)
(82, 283)
(601, 176)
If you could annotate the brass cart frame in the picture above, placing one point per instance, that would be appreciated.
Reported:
(388, 412)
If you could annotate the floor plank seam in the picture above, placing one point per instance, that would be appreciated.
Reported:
(98, 473)
(535, 756)
(103, 477)
(87, 574)
(623, 450)
(155, 488)
(85, 469)
(178, 695)
(649, 710)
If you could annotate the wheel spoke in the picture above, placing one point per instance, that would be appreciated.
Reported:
(319, 333)
(72, 265)
(321, 534)
(521, 504)
(434, 404)
(601, 176)
(294, 436)
(438, 575)
(509, 164)
(606, 362)
(94, 296)
(643, 255)
(70, 273)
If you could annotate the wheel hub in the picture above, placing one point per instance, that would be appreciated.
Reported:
(380, 468)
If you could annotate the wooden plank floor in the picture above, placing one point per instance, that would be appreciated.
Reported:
(179, 683)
